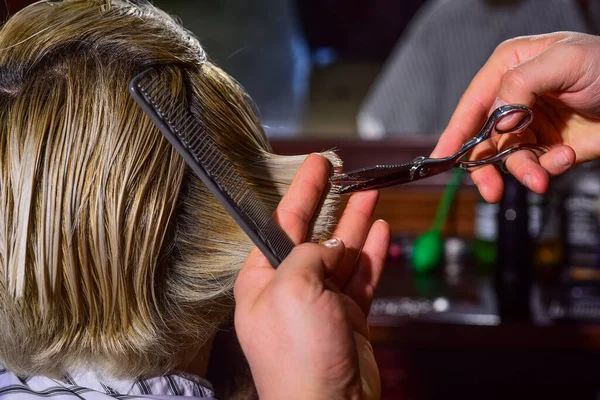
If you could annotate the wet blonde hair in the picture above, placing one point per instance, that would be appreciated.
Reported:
(111, 252)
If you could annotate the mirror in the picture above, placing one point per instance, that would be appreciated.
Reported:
(367, 69)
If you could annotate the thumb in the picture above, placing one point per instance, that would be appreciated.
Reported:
(313, 261)
(308, 263)
(558, 69)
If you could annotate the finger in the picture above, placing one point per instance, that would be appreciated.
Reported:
(558, 160)
(525, 167)
(356, 316)
(352, 229)
(475, 104)
(293, 213)
(369, 268)
(561, 157)
(309, 263)
(488, 180)
(297, 207)
(546, 132)
(543, 74)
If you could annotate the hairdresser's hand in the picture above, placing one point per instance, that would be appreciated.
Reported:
(305, 338)
(558, 75)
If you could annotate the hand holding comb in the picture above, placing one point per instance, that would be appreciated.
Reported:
(152, 92)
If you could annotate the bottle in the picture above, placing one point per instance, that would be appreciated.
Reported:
(582, 224)
(535, 207)
(513, 268)
(545, 229)
(486, 234)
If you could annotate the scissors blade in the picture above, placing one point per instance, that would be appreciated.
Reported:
(370, 178)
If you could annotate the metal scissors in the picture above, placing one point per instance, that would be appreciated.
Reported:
(381, 176)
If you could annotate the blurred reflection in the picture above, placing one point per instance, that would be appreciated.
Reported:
(259, 43)
(446, 44)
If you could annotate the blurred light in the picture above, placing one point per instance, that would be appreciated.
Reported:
(324, 56)
(370, 128)
(577, 292)
(510, 214)
(441, 305)
(395, 251)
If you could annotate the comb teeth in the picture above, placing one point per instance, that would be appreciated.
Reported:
(265, 222)
(185, 133)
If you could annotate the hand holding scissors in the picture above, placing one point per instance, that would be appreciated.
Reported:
(381, 176)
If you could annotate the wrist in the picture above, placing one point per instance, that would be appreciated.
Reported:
(304, 393)
(273, 388)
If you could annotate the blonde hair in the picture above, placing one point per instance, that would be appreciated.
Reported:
(112, 252)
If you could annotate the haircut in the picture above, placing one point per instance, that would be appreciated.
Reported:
(112, 253)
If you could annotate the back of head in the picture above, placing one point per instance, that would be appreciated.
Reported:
(111, 252)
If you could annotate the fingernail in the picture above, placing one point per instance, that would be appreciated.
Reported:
(527, 181)
(561, 160)
(331, 243)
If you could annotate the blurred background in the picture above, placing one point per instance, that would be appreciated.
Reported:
(361, 68)
(369, 68)
(503, 300)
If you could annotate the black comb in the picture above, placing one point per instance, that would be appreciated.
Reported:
(181, 128)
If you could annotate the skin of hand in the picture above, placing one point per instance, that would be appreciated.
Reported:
(557, 76)
(303, 327)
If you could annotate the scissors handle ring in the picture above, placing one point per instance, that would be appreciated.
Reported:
(501, 156)
(491, 125)
(503, 111)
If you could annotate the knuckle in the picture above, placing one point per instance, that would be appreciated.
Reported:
(572, 52)
(305, 250)
(514, 79)
(285, 214)
(505, 46)
(292, 291)
(509, 45)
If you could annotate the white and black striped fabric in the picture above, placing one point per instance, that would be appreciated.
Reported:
(447, 42)
(88, 386)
